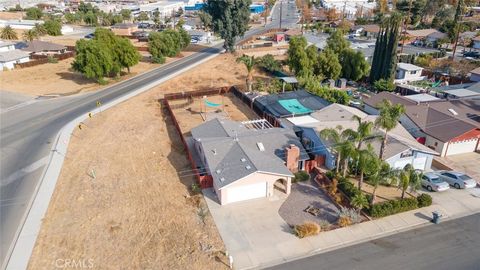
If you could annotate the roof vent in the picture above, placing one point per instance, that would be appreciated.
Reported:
(243, 160)
(214, 151)
(248, 167)
(222, 179)
(260, 146)
(218, 171)
(452, 111)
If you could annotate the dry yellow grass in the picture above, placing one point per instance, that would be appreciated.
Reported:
(136, 213)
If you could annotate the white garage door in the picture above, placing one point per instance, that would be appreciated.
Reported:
(401, 163)
(461, 147)
(247, 192)
(419, 163)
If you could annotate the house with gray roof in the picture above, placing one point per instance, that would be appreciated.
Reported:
(41, 47)
(246, 162)
(9, 56)
(449, 127)
(402, 148)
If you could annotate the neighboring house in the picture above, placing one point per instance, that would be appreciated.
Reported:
(421, 34)
(448, 126)
(294, 32)
(402, 148)
(407, 72)
(247, 163)
(461, 93)
(164, 8)
(39, 47)
(422, 98)
(6, 46)
(8, 59)
(20, 24)
(286, 104)
(475, 75)
(476, 42)
(371, 31)
(124, 29)
(433, 37)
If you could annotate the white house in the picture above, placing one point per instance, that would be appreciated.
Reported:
(6, 46)
(20, 24)
(8, 59)
(407, 73)
(165, 8)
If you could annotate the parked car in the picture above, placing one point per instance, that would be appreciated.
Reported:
(91, 35)
(473, 54)
(432, 182)
(457, 179)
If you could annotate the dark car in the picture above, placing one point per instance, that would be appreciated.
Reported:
(473, 54)
(91, 35)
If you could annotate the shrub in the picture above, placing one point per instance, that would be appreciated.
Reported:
(332, 188)
(324, 225)
(306, 229)
(424, 200)
(348, 188)
(387, 208)
(344, 221)
(352, 215)
(196, 188)
(301, 176)
(330, 174)
(52, 59)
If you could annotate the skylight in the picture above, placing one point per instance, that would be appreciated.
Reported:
(452, 111)
(260, 146)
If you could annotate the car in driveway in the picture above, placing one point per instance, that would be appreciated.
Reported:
(432, 182)
(457, 179)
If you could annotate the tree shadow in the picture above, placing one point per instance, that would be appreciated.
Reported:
(78, 78)
(422, 215)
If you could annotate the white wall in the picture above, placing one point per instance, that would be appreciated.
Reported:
(11, 64)
(7, 48)
(440, 148)
(407, 74)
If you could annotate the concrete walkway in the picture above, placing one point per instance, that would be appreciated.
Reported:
(256, 236)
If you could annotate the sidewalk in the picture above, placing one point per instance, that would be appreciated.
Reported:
(256, 236)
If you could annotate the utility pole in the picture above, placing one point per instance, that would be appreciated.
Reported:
(266, 12)
(281, 6)
(457, 34)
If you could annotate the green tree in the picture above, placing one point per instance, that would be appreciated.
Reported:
(347, 151)
(416, 10)
(337, 43)
(206, 19)
(363, 160)
(388, 120)
(328, 64)
(269, 63)
(90, 18)
(354, 65)
(143, 16)
(127, 55)
(409, 177)
(40, 29)
(72, 18)
(53, 27)
(384, 85)
(229, 19)
(126, 14)
(359, 202)
(385, 54)
(298, 59)
(250, 62)
(167, 43)
(8, 33)
(338, 138)
(381, 173)
(30, 35)
(33, 13)
(93, 59)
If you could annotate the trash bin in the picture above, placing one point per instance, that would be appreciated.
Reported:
(436, 217)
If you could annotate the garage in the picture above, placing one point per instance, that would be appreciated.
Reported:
(246, 192)
(461, 147)
(419, 163)
(400, 164)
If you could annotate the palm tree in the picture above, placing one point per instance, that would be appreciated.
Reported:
(359, 201)
(381, 174)
(30, 35)
(363, 132)
(249, 62)
(388, 120)
(346, 150)
(40, 29)
(409, 177)
(364, 158)
(338, 138)
(8, 33)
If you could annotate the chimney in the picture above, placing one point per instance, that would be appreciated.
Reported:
(292, 154)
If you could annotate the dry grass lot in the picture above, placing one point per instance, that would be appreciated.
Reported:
(136, 213)
(6, 15)
(383, 193)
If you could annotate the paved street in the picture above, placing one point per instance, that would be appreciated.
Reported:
(453, 244)
(28, 133)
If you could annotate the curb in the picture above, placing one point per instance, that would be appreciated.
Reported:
(25, 241)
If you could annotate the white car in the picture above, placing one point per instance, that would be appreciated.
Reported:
(432, 182)
(457, 179)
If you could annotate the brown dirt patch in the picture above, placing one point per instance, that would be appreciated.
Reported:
(6, 15)
(384, 193)
(136, 213)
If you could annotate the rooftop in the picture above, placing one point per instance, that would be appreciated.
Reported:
(422, 97)
(13, 55)
(407, 66)
(462, 93)
(39, 46)
(233, 151)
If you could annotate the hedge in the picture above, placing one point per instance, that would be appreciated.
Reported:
(388, 208)
(301, 176)
(348, 188)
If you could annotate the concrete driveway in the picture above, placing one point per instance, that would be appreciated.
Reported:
(468, 163)
(254, 233)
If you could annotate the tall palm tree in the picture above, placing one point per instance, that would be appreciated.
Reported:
(8, 33)
(347, 151)
(364, 159)
(30, 35)
(249, 62)
(338, 138)
(363, 132)
(381, 173)
(388, 120)
(409, 177)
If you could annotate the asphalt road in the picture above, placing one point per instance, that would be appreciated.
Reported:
(27, 134)
(449, 245)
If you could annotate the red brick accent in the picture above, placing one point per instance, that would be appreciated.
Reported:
(293, 155)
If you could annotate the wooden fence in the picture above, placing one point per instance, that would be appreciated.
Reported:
(43, 59)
